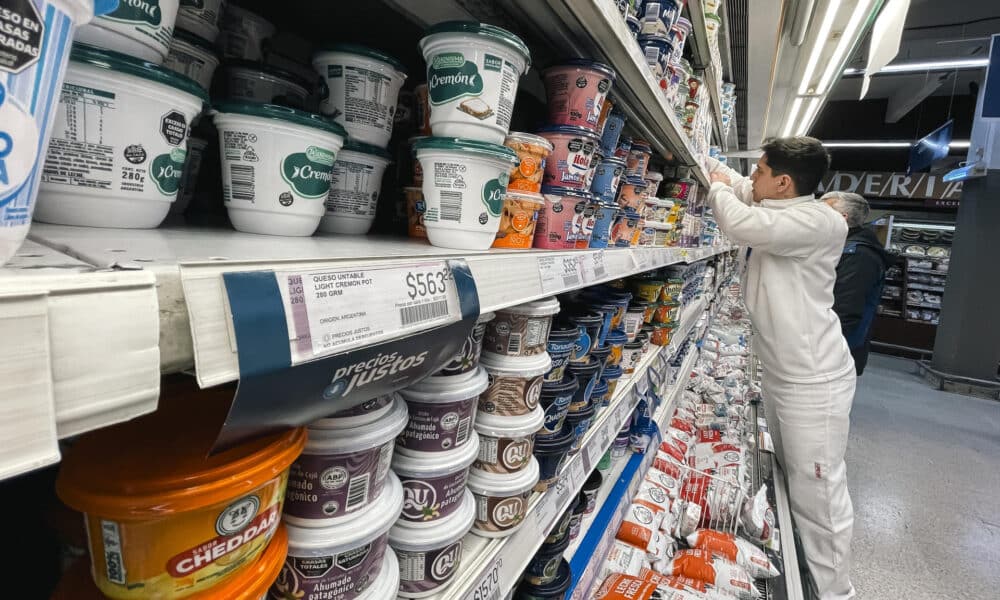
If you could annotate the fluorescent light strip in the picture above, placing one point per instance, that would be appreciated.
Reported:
(936, 65)
(808, 116)
(847, 39)
(792, 115)
(822, 37)
(852, 144)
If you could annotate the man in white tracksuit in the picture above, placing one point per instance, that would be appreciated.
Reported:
(794, 245)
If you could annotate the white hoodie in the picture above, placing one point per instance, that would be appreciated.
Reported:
(796, 245)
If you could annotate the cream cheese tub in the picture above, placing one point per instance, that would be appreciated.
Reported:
(430, 554)
(501, 500)
(137, 28)
(473, 71)
(506, 443)
(119, 142)
(252, 82)
(515, 383)
(200, 17)
(342, 469)
(355, 185)
(434, 484)
(362, 87)
(192, 57)
(341, 561)
(521, 330)
(442, 410)
(465, 184)
(30, 83)
(244, 34)
(277, 163)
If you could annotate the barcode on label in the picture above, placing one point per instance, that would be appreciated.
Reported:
(423, 312)
(463, 431)
(357, 492)
(571, 279)
(514, 343)
(652, 55)
(599, 271)
(115, 569)
(451, 206)
(241, 182)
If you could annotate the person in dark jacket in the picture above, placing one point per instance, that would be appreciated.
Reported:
(860, 275)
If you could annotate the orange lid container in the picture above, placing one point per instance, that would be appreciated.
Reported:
(250, 584)
(165, 519)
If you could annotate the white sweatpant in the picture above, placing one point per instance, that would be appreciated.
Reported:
(809, 425)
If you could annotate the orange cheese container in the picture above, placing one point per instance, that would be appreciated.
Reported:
(163, 518)
(251, 583)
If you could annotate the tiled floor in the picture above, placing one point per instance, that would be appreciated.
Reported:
(924, 474)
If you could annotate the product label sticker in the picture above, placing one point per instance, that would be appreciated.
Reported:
(488, 587)
(560, 273)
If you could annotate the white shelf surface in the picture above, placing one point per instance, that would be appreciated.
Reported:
(595, 29)
(502, 560)
(703, 58)
(188, 264)
(80, 351)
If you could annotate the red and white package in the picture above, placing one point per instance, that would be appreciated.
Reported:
(726, 576)
(652, 495)
(671, 450)
(640, 523)
(624, 558)
(682, 425)
(625, 587)
(757, 517)
(667, 475)
(678, 438)
(719, 500)
(734, 549)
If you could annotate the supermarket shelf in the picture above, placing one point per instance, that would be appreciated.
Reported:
(926, 257)
(924, 305)
(925, 287)
(80, 351)
(698, 40)
(595, 29)
(927, 271)
(715, 94)
(492, 567)
(187, 264)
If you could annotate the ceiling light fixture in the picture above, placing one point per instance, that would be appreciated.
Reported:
(792, 115)
(934, 65)
(807, 118)
(822, 37)
(895, 144)
(861, 12)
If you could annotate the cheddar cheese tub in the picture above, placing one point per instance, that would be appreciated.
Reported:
(250, 584)
(166, 520)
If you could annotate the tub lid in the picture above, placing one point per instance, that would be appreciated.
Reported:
(617, 160)
(123, 63)
(588, 64)
(644, 145)
(448, 388)
(529, 138)
(570, 129)
(554, 443)
(612, 372)
(365, 51)
(522, 196)
(510, 427)
(476, 28)
(536, 308)
(167, 467)
(361, 414)
(553, 589)
(330, 436)
(412, 536)
(638, 182)
(365, 525)
(504, 484)
(655, 38)
(555, 190)
(412, 463)
(659, 225)
(616, 336)
(239, 63)
(196, 41)
(282, 113)
(464, 145)
(516, 366)
(661, 202)
(363, 148)
(569, 383)
(654, 175)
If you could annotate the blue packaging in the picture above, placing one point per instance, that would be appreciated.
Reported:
(613, 126)
(657, 50)
(604, 218)
(607, 178)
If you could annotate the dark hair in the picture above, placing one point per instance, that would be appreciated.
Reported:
(802, 158)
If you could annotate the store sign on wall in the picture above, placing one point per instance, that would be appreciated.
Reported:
(877, 184)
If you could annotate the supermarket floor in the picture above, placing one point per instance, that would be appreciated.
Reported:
(924, 474)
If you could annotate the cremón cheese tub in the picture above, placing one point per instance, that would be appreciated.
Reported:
(163, 518)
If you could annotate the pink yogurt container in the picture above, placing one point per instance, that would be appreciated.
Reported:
(576, 91)
(563, 219)
(572, 162)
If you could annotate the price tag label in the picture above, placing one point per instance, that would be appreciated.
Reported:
(597, 448)
(488, 586)
(578, 473)
(598, 266)
(559, 273)
(332, 311)
(643, 259)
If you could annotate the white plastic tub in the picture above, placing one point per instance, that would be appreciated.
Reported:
(521, 330)
(501, 500)
(200, 17)
(506, 443)
(442, 410)
(473, 71)
(515, 383)
(434, 484)
(465, 184)
(137, 28)
(252, 82)
(362, 86)
(367, 412)
(244, 33)
(25, 124)
(119, 142)
(343, 470)
(430, 554)
(276, 166)
(192, 57)
(348, 556)
(354, 189)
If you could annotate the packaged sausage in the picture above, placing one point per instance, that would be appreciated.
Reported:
(640, 523)
(726, 576)
(757, 517)
(734, 549)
